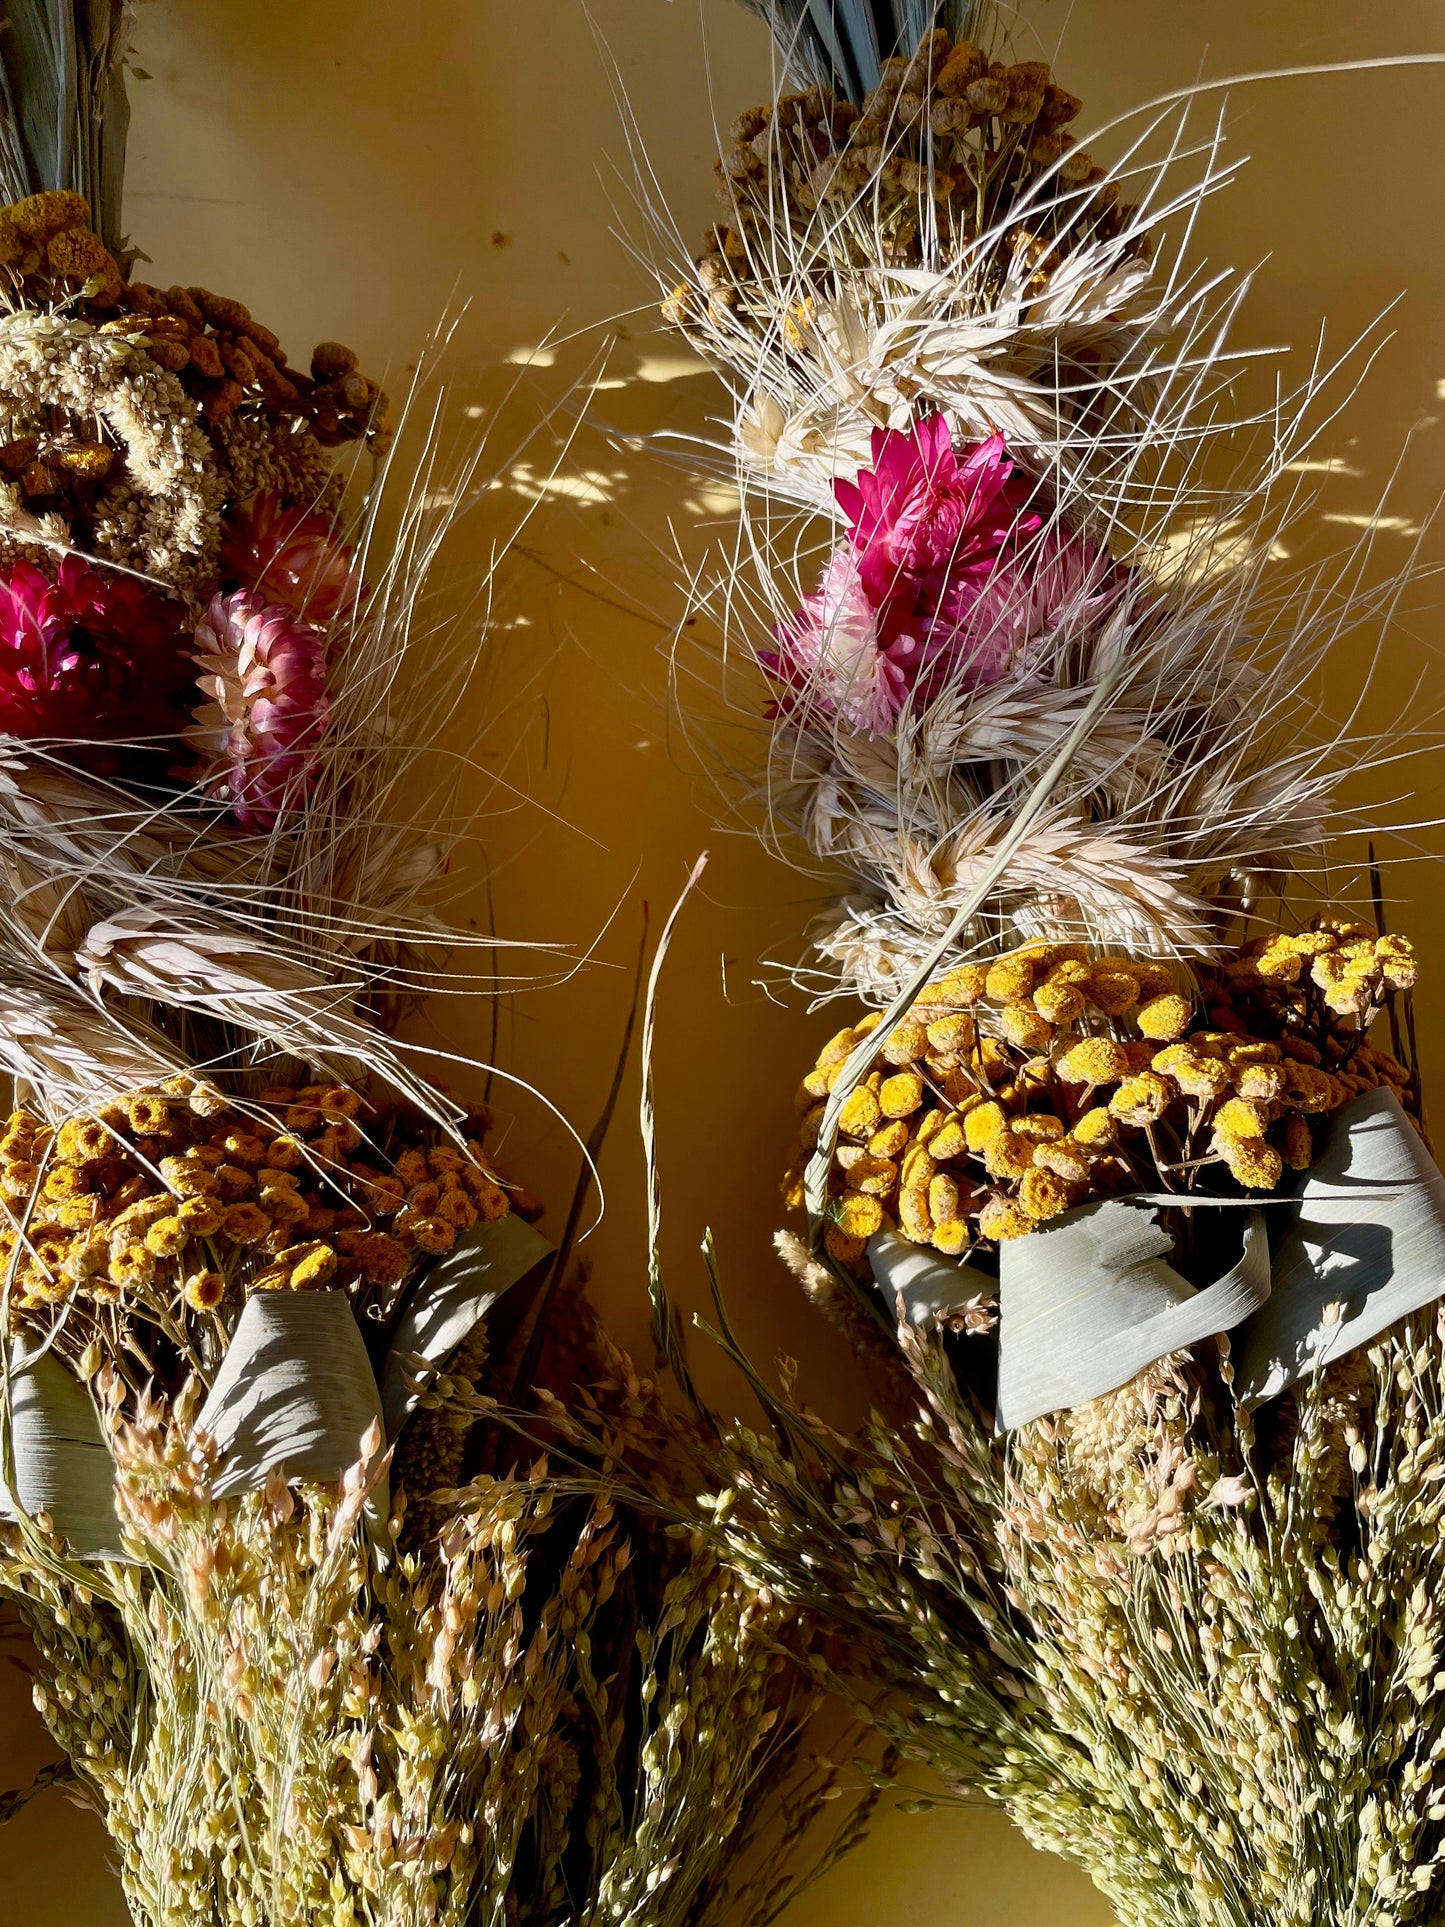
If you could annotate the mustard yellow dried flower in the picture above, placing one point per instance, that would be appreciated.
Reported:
(201, 1216)
(906, 1044)
(840, 1246)
(889, 1139)
(951, 1236)
(1165, 1017)
(1238, 1119)
(1001, 1218)
(82, 1139)
(1140, 1100)
(877, 1176)
(1094, 1060)
(244, 1223)
(861, 1113)
(1043, 1194)
(1006, 1156)
(982, 1124)
(1025, 1027)
(899, 1096)
(204, 1290)
(1059, 1001)
(859, 1215)
(1112, 988)
(168, 1237)
(432, 1235)
(1095, 1128)
(1253, 1163)
(1297, 1145)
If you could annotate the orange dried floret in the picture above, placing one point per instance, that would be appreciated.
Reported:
(315, 1267)
(982, 1124)
(1058, 1000)
(951, 1236)
(1013, 977)
(431, 1235)
(283, 1204)
(1039, 1127)
(1064, 1159)
(952, 1034)
(877, 1176)
(246, 1224)
(150, 1116)
(1154, 979)
(1297, 1145)
(168, 1236)
(899, 1096)
(1025, 1028)
(1140, 1100)
(1238, 1119)
(1095, 1128)
(234, 1181)
(906, 1043)
(1263, 1082)
(1001, 1218)
(1043, 1194)
(1094, 1060)
(1254, 1163)
(241, 1147)
(204, 1290)
(889, 1139)
(1007, 1156)
(858, 1215)
(1165, 1017)
(132, 1266)
(840, 1246)
(458, 1210)
(942, 1198)
(861, 1114)
(1195, 1072)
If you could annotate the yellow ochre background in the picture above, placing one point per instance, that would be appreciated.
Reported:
(354, 170)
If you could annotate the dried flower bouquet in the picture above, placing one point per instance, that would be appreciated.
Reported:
(323, 1637)
(1119, 1186)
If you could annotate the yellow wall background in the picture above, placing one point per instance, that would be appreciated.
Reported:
(351, 170)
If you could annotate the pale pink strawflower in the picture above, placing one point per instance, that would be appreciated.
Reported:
(258, 738)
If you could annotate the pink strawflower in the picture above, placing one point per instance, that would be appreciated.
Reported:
(291, 556)
(922, 520)
(93, 658)
(259, 737)
(947, 576)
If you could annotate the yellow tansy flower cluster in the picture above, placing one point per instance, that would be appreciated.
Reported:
(165, 1205)
(1015, 1089)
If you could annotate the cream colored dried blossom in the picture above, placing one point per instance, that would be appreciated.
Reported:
(162, 513)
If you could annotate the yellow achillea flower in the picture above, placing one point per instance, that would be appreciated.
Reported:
(204, 1290)
(1025, 1027)
(1006, 1156)
(907, 1043)
(1140, 1100)
(876, 1176)
(859, 1215)
(982, 1124)
(1112, 988)
(132, 1266)
(168, 1237)
(1094, 1060)
(1238, 1119)
(201, 1216)
(149, 1116)
(1059, 1001)
(951, 1237)
(1195, 1072)
(1064, 1159)
(1043, 1194)
(889, 1139)
(839, 1245)
(955, 1033)
(1254, 1163)
(899, 1096)
(861, 1114)
(1264, 1082)
(1095, 1127)
(315, 1266)
(950, 1140)
(1013, 977)
(244, 1223)
(1165, 1017)
(1001, 1218)
(942, 1198)
(432, 1235)
(1154, 979)
(82, 1139)
(1039, 1127)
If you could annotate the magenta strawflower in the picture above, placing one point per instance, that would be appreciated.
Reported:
(292, 556)
(93, 660)
(947, 575)
(259, 737)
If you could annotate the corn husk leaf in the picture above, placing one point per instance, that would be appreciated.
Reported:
(449, 1300)
(1369, 1238)
(295, 1390)
(928, 1285)
(62, 1463)
(1088, 1301)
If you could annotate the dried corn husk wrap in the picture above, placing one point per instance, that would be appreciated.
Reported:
(1087, 1302)
(62, 1464)
(295, 1392)
(449, 1300)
